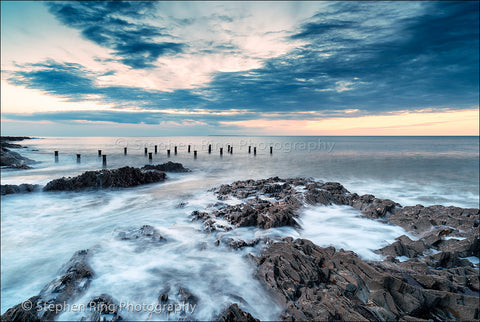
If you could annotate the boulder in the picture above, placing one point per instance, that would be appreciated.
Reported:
(22, 188)
(167, 167)
(234, 313)
(123, 178)
(74, 279)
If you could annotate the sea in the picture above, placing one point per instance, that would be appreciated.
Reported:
(41, 231)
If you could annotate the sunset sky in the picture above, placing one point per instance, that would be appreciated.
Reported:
(239, 68)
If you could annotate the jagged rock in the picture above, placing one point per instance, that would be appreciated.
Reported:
(22, 188)
(317, 283)
(234, 313)
(74, 279)
(167, 167)
(122, 177)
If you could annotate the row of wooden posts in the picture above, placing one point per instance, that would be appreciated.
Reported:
(150, 154)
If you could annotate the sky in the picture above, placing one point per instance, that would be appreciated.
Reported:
(108, 68)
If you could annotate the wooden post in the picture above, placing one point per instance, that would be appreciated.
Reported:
(78, 158)
(104, 160)
(168, 153)
(249, 149)
(195, 154)
(189, 149)
(228, 148)
(175, 150)
(221, 151)
(156, 149)
(271, 149)
(254, 150)
(99, 153)
(150, 156)
(231, 150)
(56, 156)
(209, 148)
(146, 151)
(125, 150)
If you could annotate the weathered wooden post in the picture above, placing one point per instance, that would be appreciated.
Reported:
(56, 156)
(150, 156)
(249, 149)
(99, 153)
(125, 151)
(168, 153)
(221, 151)
(209, 148)
(195, 154)
(156, 149)
(189, 149)
(146, 151)
(78, 158)
(175, 150)
(231, 150)
(254, 150)
(271, 149)
(104, 160)
(228, 150)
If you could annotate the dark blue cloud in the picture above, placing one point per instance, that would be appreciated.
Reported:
(370, 56)
(109, 24)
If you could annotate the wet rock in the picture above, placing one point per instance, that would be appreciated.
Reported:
(22, 188)
(122, 178)
(74, 279)
(167, 167)
(421, 220)
(186, 296)
(13, 159)
(234, 313)
(103, 308)
(317, 283)
(145, 233)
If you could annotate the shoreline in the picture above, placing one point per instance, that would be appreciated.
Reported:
(336, 281)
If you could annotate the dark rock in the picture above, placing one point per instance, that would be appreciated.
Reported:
(317, 283)
(186, 296)
(74, 279)
(146, 232)
(122, 177)
(14, 138)
(167, 167)
(103, 305)
(234, 313)
(24, 187)
(14, 160)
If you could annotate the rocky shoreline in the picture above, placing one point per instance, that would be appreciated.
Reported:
(428, 278)
(102, 179)
(11, 159)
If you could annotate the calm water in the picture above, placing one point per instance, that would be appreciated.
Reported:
(41, 231)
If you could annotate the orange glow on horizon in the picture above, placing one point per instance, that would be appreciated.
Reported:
(462, 122)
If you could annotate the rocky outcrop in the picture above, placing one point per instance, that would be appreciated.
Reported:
(275, 202)
(74, 279)
(22, 188)
(317, 283)
(11, 159)
(122, 178)
(167, 167)
(234, 313)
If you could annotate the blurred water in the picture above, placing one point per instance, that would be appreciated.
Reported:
(41, 231)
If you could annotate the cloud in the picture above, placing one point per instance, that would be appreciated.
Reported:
(120, 26)
(374, 58)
